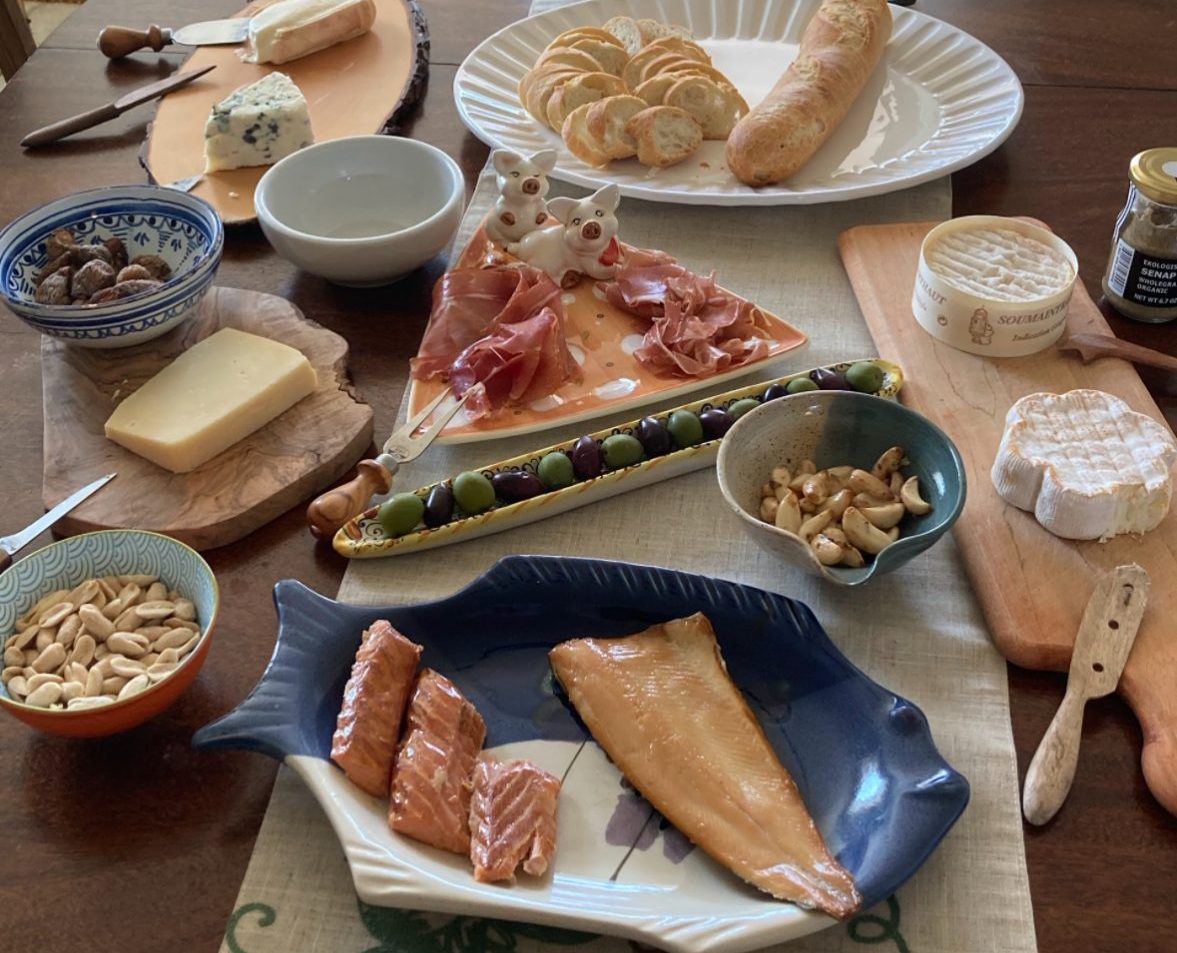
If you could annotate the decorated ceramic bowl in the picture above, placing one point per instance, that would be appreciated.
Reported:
(66, 564)
(838, 428)
(183, 230)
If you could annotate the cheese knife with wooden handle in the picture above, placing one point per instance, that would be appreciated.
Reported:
(1101, 650)
(119, 41)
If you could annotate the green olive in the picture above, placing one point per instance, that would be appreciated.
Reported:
(743, 406)
(401, 513)
(865, 376)
(621, 450)
(555, 470)
(799, 385)
(473, 492)
(685, 428)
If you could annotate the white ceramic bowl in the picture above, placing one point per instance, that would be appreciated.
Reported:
(362, 211)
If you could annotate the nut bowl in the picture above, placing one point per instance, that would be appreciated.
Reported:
(62, 568)
(839, 428)
(183, 230)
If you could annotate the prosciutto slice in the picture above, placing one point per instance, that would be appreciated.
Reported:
(697, 329)
(515, 363)
(469, 302)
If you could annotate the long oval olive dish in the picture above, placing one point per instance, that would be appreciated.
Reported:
(362, 537)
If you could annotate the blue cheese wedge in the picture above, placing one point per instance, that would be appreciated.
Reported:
(257, 125)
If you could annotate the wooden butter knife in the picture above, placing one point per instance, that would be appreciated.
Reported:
(1101, 650)
(137, 97)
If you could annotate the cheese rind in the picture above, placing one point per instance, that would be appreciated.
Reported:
(1085, 464)
(257, 124)
(211, 397)
(292, 28)
(1000, 264)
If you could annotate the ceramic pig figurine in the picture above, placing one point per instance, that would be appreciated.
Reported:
(523, 183)
(584, 243)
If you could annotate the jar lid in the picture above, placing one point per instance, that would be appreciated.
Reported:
(1154, 173)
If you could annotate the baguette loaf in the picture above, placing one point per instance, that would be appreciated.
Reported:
(840, 48)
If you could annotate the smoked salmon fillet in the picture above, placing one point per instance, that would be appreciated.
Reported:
(374, 698)
(512, 819)
(433, 776)
(663, 707)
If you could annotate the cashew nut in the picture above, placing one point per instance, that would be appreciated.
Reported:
(893, 533)
(887, 463)
(768, 508)
(827, 551)
(863, 482)
(767, 489)
(781, 476)
(797, 484)
(896, 483)
(886, 516)
(788, 514)
(865, 500)
(781, 490)
(837, 503)
(815, 488)
(814, 525)
(910, 495)
(852, 557)
(808, 466)
(835, 533)
(862, 534)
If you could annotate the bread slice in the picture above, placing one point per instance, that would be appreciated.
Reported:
(580, 141)
(715, 107)
(626, 30)
(655, 30)
(653, 90)
(567, 56)
(606, 121)
(612, 58)
(632, 74)
(580, 89)
(537, 87)
(678, 44)
(568, 37)
(664, 135)
(685, 67)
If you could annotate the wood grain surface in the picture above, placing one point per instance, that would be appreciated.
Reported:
(1099, 87)
(298, 453)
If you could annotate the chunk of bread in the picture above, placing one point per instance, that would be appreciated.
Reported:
(664, 135)
(653, 90)
(612, 58)
(606, 121)
(568, 37)
(632, 74)
(580, 89)
(715, 107)
(580, 141)
(655, 30)
(627, 31)
(567, 56)
(538, 86)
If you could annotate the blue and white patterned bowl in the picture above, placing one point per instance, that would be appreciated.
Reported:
(183, 230)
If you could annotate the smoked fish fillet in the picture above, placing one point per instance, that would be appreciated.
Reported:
(434, 772)
(512, 819)
(663, 707)
(369, 723)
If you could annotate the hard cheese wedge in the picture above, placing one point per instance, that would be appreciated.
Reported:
(213, 395)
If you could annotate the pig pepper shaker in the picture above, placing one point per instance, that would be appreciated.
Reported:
(584, 242)
(522, 183)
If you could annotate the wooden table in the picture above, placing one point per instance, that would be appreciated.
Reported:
(137, 843)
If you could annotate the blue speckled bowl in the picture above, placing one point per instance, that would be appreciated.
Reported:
(151, 220)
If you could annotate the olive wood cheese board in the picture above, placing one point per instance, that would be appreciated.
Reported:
(358, 87)
(1032, 586)
(300, 452)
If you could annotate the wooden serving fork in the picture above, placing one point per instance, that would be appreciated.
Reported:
(327, 513)
(1091, 347)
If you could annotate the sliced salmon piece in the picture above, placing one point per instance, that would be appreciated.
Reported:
(374, 698)
(512, 819)
(433, 776)
(663, 707)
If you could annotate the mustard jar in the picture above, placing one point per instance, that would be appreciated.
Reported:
(1141, 277)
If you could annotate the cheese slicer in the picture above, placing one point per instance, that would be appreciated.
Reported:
(1105, 638)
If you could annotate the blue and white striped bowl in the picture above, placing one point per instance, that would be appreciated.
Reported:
(151, 220)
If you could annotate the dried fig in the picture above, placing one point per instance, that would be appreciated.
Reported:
(80, 254)
(160, 269)
(134, 273)
(59, 243)
(124, 289)
(55, 265)
(90, 278)
(55, 288)
(118, 253)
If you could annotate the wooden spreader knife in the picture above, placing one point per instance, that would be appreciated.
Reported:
(119, 41)
(1105, 639)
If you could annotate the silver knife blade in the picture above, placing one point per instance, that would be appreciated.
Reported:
(145, 93)
(10, 544)
(212, 32)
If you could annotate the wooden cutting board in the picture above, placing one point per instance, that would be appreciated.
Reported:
(297, 454)
(353, 88)
(1032, 585)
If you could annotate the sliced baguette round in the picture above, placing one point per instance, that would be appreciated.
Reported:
(632, 74)
(664, 135)
(606, 121)
(537, 87)
(612, 58)
(653, 90)
(580, 89)
(568, 37)
(656, 29)
(580, 141)
(627, 31)
(678, 44)
(715, 107)
(567, 56)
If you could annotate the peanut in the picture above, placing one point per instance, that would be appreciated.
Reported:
(44, 696)
(52, 656)
(96, 623)
(55, 614)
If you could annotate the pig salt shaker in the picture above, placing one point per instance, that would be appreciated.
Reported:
(583, 243)
(522, 183)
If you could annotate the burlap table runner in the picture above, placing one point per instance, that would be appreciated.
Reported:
(918, 631)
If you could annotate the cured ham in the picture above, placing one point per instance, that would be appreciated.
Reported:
(433, 777)
(697, 328)
(515, 363)
(512, 819)
(369, 722)
(469, 302)
(663, 707)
